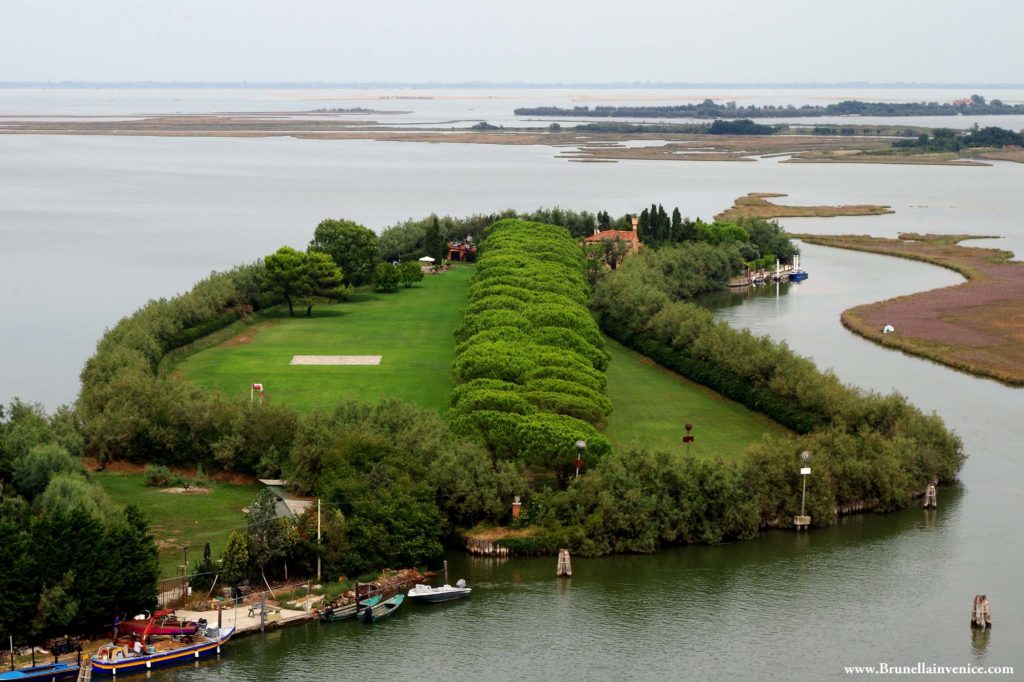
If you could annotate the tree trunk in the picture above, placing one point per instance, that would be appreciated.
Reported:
(309, 310)
(291, 311)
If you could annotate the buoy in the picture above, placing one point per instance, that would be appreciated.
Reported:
(888, 329)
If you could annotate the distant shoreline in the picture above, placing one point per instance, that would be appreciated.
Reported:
(504, 85)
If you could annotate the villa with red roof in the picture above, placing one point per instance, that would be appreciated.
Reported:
(631, 237)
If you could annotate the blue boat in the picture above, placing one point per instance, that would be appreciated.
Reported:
(53, 671)
(115, 660)
(798, 276)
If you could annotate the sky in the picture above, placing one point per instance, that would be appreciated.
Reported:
(579, 41)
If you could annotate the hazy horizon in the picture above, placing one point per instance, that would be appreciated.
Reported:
(572, 41)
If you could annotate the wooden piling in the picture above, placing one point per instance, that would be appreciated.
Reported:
(931, 497)
(85, 671)
(981, 614)
(564, 569)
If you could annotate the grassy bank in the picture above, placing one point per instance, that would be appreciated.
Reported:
(756, 205)
(411, 329)
(178, 519)
(652, 404)
(976, 327)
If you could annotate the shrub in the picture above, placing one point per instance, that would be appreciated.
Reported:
(158, 476)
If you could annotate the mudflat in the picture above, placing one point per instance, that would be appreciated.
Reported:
(976, 327)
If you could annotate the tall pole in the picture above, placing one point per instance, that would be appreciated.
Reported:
(803, 495)
(12, 651)
(318, 550)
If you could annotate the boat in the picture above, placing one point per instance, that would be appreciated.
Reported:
(119, 660)
(381, 610)
(53, 671)
(425, 594)
(796, 274)
(332, 614)
(160, 623)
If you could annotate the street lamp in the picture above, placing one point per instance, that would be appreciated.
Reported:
(803, 520)
(688, 438)
(581, 445)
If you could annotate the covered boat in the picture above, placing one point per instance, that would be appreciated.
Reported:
(53, 671)
(425, 594)
(381, 610)
(121, 660)
(333, 614)
(160, 623)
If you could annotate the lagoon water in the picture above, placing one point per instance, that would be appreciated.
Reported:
(90, 228)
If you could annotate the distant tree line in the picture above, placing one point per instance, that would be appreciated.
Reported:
(975, 105)
(947, 140)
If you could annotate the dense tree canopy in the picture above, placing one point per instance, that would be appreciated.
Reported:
(352, 246)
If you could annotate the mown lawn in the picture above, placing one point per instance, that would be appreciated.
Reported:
(652, 406)
(411, 329)
(177, 519)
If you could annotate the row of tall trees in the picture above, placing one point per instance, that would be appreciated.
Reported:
(530, 363)
(876, 448)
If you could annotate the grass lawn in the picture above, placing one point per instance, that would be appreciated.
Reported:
(652, 405)
(411, 329)
(178, 519)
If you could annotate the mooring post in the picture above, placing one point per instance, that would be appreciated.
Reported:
(931, 497)
(445, 571)
(981, 614)
(263, 611)
(564, 569)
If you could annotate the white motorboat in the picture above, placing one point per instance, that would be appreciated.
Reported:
(425, 594)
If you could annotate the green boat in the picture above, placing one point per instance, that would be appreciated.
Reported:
(381, 610)
(332, 615)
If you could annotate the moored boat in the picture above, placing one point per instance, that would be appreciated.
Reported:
(425, 594)
(332, 614)
(798, 276)
(53, 671)
(160, 623)
(120, 660)
(381, 610)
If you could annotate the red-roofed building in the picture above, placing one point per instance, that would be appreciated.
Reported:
(462, 251)
(631, 237)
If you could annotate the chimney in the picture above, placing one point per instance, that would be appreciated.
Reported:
(635, 221)
(517, 508)
(597, 230)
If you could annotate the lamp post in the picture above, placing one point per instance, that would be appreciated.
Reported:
(581, 445)
(688, 438)
(803, 520)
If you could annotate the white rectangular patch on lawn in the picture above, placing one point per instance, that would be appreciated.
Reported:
(335, 360)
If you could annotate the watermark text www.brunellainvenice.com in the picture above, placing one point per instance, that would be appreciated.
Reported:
(922, 668)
